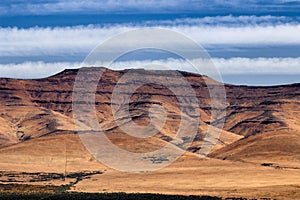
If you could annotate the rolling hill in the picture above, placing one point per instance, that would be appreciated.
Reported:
(37, 133)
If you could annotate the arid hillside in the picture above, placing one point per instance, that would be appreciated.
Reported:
(261, 129)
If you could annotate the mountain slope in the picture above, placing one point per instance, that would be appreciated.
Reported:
(31, 109)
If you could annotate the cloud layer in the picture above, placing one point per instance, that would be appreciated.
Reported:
(229, 66)
(82, 39)
(221, 31)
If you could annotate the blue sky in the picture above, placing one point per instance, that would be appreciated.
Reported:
(45, 7)
(251, 38)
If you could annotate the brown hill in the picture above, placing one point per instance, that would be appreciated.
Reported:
(262, 124)
(250, 110)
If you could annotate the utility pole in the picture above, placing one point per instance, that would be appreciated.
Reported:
(66, 159)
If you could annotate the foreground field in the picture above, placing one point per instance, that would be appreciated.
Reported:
(211, 177)
(187, 176)
(74, 169)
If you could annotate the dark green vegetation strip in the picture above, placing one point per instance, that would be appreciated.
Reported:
(15, 177)
(48, 192)
(30, 189)
(99, 196)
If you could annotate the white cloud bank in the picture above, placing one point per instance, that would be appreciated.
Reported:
(227, 20)
(29, 70)
(82, 39)
(225, 66)
(66, 41)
